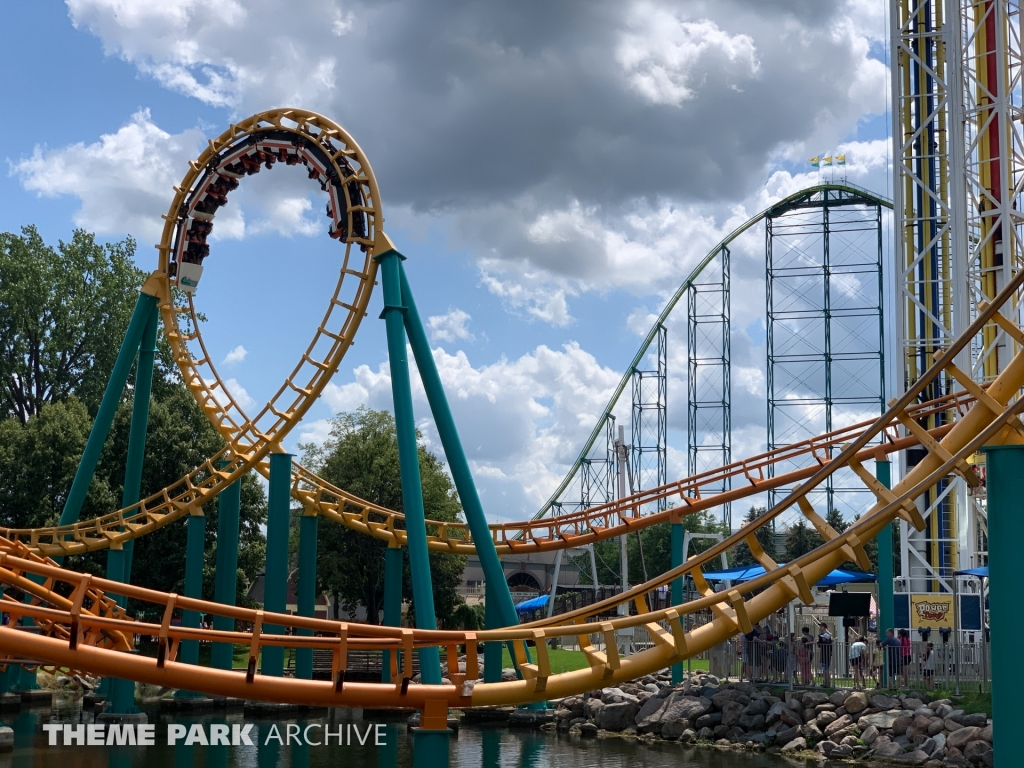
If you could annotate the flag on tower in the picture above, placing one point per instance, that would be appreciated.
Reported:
(826, 160)
(840, 159)
(813, 161)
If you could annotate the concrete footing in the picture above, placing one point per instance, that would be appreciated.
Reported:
(185, 704)
(414, 721)
(37, 696)
(487, 714)
(134, 718)
(268, 708)
(529, 718)
(6, 739)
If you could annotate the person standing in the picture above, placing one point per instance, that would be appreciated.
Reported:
(908, 654)
(858, 655)
(894, 657)
(825, 654)
(805, 655)
(928, 666)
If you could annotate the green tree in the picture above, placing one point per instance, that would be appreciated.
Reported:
(63, 312)
(836, 520)
(361, 456)
(801, 539)
(765, 536)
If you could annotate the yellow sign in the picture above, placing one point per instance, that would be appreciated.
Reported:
(931, 611)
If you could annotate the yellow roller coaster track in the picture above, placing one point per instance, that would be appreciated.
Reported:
(77, 625)
(987, 420)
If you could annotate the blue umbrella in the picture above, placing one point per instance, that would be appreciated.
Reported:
(532, 604)
(750, 572)
(983, 572)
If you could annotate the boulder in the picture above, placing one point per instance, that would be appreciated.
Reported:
(588, 729)
(961, 738)
(856, 702)
(978, 753)
(841, 752)
(888, 749)
(977, 719)
(838, 725)
(774, 713)
(720, 699)
(942, 710)
(921, 723)
(650, 713)
(710, 720)
(869, 734)
(826, 747)
(673, 730)
(787, 735)
(757, 707)
(824, 719)
(814, 698)
(681, 707)
(791, 718)
(986, 733)
(688, 736)
(882, 702)
(839, 697)
(809, 714)
(917, 757)
(796, 745)
(900, 725)
(951, 724)
(705, 734)
(508, 675)
(881, 720)
(721, 730)
(617, 716)
(955, 759)
(593, 707)
(617, 696)
(828, 706)
(751, 722)
(911, 703)
(731, 713)
(936, 726)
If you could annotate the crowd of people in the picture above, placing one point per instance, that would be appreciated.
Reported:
(806, 659)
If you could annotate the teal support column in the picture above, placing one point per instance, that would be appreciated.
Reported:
(408, 460)
(883, 471)
(144, 308)
(456, 457)
(119, 562)
(306, 590)
(430, 748)
(677, 555)
(225, 584)
(1005, 481)
(275, 579)
(492, 651)
(194, 560)
(393, 562)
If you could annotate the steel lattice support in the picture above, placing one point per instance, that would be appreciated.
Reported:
(708, 376)
(825, 353)
(597, 472)
(650, 421)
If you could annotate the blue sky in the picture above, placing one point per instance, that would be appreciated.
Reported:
(551, 183)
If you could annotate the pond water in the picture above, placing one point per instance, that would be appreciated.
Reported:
(473, 746)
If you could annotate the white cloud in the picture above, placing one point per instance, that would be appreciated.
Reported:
(124, 181)
(450, 326)
(667, 59)
(521, 421)
(236, 355)
(239, 393)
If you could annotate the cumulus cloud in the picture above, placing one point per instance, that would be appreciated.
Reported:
(521, 421)
(236, 355)
(123, 181)
(555, 148)
(450, 326)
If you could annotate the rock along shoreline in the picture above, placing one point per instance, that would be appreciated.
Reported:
(857, 726)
